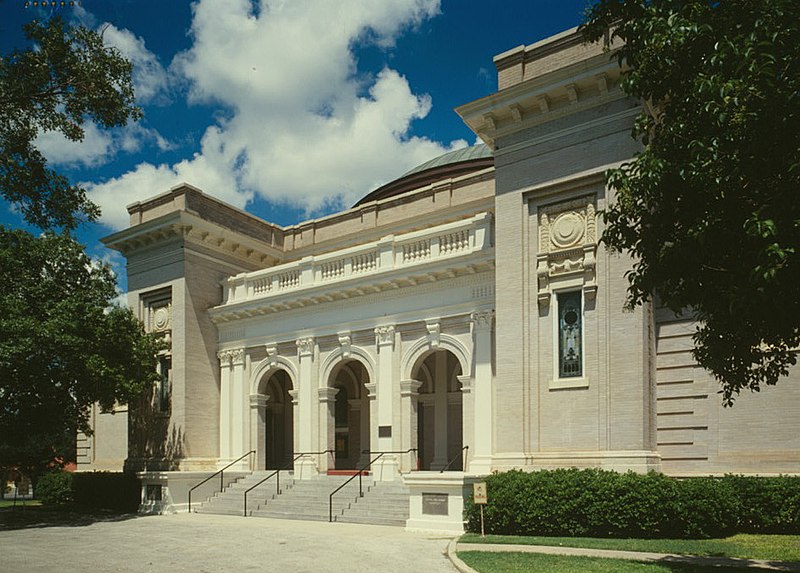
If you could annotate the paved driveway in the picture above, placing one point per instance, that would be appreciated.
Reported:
(212, 543)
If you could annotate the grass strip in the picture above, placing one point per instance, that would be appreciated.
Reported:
(745, 546)
(485, 562)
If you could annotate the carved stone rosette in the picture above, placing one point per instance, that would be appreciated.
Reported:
(567, 246)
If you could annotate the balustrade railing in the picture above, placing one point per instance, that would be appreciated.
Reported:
(420, 247)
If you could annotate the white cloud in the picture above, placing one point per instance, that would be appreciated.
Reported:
(304, 125)
(150, 80)
(99, 146)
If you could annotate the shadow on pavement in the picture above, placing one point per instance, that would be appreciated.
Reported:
(27, 517)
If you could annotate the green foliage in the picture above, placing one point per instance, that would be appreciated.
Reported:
(106, 490)
(598, 503)
(64, 347)
(54, 488)
(69, 78)
(768, 505)
(709, 208)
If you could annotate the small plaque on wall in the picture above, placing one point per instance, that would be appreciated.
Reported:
(384, 431)
(434, 503)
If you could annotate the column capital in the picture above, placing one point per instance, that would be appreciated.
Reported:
(232, 357)
(294, 394)
(305, 346)
(224, 357)
(384, 335)
(482, 319)
(466, 383)
(327, 394)
(410, 388)
(258, 400)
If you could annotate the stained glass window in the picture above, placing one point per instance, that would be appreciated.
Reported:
(570, 326)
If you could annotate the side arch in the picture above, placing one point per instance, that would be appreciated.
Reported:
(269, 366)
(423, 346)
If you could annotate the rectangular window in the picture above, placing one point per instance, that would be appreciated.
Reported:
(570, 335)
(164, 387)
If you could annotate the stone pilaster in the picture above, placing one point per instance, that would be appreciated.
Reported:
(482, 393)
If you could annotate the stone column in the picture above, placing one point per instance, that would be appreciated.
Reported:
(304, 468)
(440, 412)
(224, 408)
(409, 401)
(240, 432)
(327, 427)
(258, 428)
(387, 469)
(483, 420)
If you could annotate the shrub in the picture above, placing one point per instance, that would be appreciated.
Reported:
(54, 488)
(598, 503)
(767, 505)
(106, 490)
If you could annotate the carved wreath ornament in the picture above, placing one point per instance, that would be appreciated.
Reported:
(567, 246)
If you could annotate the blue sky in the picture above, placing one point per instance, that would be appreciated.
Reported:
(290, 109)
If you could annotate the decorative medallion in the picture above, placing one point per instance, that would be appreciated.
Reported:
(567, 245)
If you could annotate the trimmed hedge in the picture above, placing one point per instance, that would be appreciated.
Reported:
(90, 490)
(599, 503)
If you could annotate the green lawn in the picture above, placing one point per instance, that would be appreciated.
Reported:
(20, 502)
(771, 547)
(484, 562)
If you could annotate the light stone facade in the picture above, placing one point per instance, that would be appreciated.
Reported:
(427, 320)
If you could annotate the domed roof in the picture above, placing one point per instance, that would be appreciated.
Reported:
(464, 154)
(450, 164)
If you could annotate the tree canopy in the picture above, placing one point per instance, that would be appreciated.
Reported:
(70, 77)
(64, 345)
(710, 208)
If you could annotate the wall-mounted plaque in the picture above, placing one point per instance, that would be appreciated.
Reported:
(384, 431)
(434, 503)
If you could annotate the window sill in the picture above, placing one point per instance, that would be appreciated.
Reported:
(568, 383)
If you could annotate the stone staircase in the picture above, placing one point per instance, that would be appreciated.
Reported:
(384, 503)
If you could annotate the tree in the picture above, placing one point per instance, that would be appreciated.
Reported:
(710, 208)
(63, 344)
(70, 77)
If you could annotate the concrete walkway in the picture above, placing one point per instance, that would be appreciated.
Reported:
(724, 563)
(214, 543)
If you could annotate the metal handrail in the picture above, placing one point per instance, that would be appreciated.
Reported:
(221, 476)
(450, 463)
(359, 474)
(278, 473)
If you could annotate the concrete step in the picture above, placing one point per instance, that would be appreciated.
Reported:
(383, 503)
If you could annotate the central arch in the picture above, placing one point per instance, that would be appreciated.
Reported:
(350, 413)
(276, 421)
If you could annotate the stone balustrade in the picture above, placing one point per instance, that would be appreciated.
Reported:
(393, 252)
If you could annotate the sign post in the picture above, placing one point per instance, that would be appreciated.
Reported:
(480, 498)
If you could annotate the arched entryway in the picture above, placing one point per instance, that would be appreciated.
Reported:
(350, 414)
(439, 411)
(278, 421)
